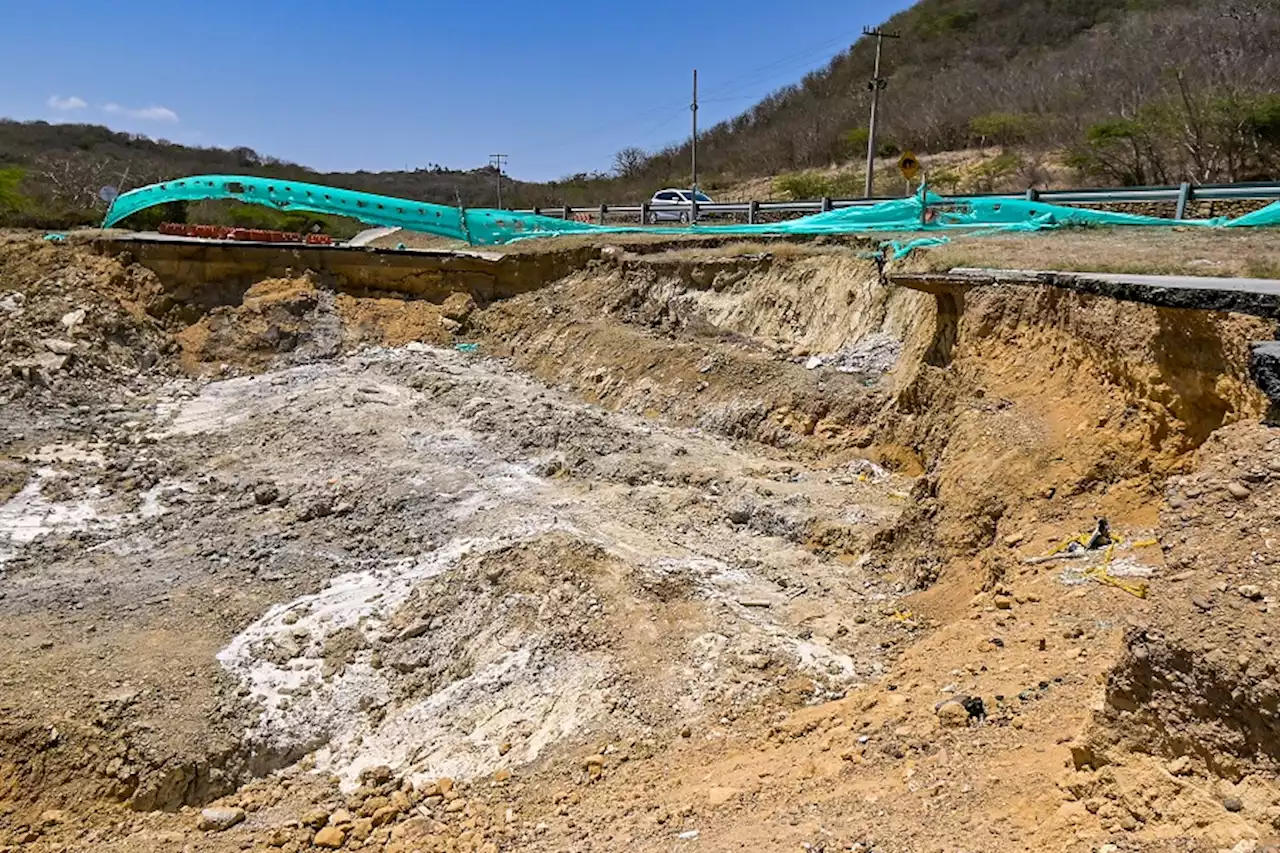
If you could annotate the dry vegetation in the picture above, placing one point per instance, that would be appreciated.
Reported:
(1155, 252)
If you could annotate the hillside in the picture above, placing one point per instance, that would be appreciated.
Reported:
(1143, 91)
(50, 174)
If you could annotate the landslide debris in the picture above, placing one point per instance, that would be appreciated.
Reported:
(782, 580)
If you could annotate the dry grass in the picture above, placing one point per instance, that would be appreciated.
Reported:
(1171, 251)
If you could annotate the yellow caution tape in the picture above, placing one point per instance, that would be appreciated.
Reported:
(1146, 543)
(1101, 575)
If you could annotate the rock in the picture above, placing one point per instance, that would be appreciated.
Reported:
(56, 346)
(504, 748)
(450, 326)
(594, 765)
(688, 835)
(1274, 465)
(52, 817)
(1202, 603)
(219, 819)
(502, 776)
(315, 818)
(12, 302)
(1238, 490)
(952, 714)
(1180, 766)
(1002, 602)
(71, 319)
(458, 307)
(1014, 539)
(444, 785)
(340, 817)
(1250, 591)
(411, 832)
(369, 802)
(265, 494)
(330, 837)
(361, 829)
(318, 507)
(1232, 804)
(384, 815)
(47, 361)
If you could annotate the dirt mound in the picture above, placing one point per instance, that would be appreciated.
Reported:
(292, 321)
(278, 320)
(74, 328)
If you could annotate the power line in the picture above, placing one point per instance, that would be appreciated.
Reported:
(804, 55)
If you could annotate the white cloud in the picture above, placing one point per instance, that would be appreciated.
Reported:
(70, 103)
(145, 113)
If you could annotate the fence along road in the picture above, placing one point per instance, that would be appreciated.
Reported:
(1182, 195)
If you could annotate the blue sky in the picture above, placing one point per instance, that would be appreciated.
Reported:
(559, 85)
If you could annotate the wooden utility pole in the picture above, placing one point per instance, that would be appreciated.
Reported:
(876, 84)
(496, 160)
(694, 150)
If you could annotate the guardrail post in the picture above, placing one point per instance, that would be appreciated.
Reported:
(826, 204)
(753, 212)
(567, 213)
(535, 210)
(644, 213)
(603, 209)
(1032, 194)
(693, 210)
(1184, 196)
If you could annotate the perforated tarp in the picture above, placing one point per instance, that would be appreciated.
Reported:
(484, 227)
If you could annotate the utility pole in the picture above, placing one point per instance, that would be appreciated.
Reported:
(496, 160)
(694, 109)
(876, 84)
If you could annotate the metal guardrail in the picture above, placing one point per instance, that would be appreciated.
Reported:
(1181, 195)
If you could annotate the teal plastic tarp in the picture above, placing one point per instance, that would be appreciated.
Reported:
(923, 212)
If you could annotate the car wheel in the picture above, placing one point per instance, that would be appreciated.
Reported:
(684, 218)
(653, 218)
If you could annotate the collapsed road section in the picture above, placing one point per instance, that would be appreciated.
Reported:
(644, 545)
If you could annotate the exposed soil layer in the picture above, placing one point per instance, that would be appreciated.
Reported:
(684, 546)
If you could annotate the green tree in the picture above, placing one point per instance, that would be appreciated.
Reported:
(1003, 129)
(11, 200)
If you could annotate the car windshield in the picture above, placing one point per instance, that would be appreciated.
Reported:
(685, 195)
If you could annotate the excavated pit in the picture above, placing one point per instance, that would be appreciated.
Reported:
(265, 515)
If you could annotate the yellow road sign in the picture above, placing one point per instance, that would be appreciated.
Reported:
(909, 165)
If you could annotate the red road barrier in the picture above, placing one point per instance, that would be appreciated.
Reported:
(256, 235)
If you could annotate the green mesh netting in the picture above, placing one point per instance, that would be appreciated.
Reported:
(921, 212)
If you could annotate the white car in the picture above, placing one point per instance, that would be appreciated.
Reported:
(672, 197)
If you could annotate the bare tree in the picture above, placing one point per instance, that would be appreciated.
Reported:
(630, 161)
